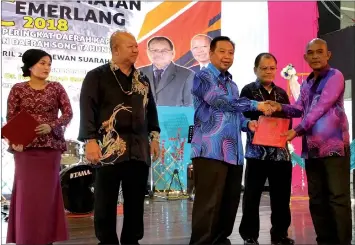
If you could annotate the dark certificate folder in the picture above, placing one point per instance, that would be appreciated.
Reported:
(269, 130)
(20, 130)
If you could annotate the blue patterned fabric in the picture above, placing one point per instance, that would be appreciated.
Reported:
(218, 118)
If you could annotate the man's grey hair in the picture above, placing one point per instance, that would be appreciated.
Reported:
(208, 38)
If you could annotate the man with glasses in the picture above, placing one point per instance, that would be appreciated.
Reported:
(171, 84)
(264, 163)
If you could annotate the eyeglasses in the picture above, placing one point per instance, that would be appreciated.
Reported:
(157, 51)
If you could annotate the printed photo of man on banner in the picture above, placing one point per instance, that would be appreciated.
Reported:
(171, 83)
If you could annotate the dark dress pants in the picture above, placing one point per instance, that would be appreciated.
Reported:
(133, 175)
(329, 199)
(217, 195)
(279, 175)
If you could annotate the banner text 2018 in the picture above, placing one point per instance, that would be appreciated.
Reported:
(42, 23)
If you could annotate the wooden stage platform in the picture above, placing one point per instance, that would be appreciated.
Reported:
(169, 222)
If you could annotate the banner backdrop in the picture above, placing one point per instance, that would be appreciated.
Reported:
(76, 34)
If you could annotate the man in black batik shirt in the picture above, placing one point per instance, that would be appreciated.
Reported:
(265, 162)
(119, 124)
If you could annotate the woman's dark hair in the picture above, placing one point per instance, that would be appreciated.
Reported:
(30, 58)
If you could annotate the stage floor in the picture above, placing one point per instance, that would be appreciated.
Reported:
(169, 222)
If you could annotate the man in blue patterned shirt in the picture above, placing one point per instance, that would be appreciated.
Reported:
(264, 162)
(217, 151)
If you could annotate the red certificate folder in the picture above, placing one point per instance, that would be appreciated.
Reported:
(269, 130)
(20, 130)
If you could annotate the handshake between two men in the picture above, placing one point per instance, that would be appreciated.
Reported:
(268, 107)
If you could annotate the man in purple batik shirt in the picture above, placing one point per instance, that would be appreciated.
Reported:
(325, 145)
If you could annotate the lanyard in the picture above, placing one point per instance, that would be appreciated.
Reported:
(262, 96)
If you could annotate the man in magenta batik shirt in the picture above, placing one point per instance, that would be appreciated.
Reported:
(325, 145)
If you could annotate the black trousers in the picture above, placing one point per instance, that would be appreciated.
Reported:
(279, 175)
(217, 195)
(133, 176)
(329, 199)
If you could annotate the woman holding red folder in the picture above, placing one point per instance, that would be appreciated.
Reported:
(37, 213)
